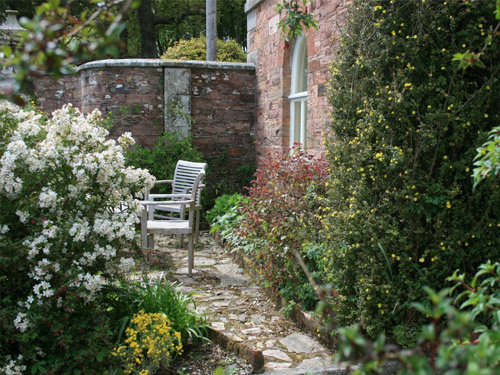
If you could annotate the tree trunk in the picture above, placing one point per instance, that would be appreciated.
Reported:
(211, 30)
(147, 29)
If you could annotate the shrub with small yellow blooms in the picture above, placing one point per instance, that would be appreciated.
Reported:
(406, 122)
(151, 343)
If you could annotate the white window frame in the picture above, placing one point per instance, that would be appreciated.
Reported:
(298, 100)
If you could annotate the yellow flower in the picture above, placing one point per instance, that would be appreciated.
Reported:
(421, 260)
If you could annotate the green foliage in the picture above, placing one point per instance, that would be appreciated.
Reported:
(462, 340)
(468, 58)
(160, 296)
(280, 216)
(297, 19)
(223, 205)
(225, 217)
(187, 20)
(162, 159)
(487, 160)
(55, 41)
(196, 49)
(406, 123)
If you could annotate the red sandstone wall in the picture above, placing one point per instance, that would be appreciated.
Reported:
(52, 95)
(222, 109)
(273, 71)
(131, 96)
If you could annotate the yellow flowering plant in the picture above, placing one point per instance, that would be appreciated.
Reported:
(406, 123)
(151, 343)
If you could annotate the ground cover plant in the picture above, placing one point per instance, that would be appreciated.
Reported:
(68, 209)
(406, 122)
(224, 215)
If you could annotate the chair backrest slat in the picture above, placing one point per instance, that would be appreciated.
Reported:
(185, 176)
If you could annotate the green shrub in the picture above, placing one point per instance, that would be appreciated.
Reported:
(224, 204)
(461, 340)
(406, 123)
(196, 49)
(279, 218)
(162, 159)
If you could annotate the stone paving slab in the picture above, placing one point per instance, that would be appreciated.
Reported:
(240, 314)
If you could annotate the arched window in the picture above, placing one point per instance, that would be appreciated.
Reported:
(298, 95)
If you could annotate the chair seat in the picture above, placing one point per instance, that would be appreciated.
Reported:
(169, 227)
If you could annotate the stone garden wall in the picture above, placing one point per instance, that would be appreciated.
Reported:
(53, 95)
(215, 102)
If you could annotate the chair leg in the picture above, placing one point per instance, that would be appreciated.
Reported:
(190, 255)
(197, 227)
(181, 240)
(150, 248)
(151, 241)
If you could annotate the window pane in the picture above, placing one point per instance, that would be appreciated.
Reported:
(303, 83)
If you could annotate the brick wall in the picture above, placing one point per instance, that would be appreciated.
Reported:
(273, 71)
(53, 95)
(131, 96)
(134, 94)
(222, 108)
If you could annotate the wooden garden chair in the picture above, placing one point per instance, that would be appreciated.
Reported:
(184, 176)
(150, 225)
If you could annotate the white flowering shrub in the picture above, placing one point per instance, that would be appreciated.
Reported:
(68, 210)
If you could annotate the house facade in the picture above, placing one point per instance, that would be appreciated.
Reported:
(292, 80)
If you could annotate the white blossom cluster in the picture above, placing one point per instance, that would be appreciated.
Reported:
(13, 367)
(69, 188)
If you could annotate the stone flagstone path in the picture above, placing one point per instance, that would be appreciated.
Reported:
(242, 317)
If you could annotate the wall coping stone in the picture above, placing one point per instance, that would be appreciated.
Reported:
(251, 5)
(157, 63)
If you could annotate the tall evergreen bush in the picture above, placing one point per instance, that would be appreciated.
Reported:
(406, 124)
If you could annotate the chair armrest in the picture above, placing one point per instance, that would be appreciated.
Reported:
(165, 203)
(147, 190)
(169, 196)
